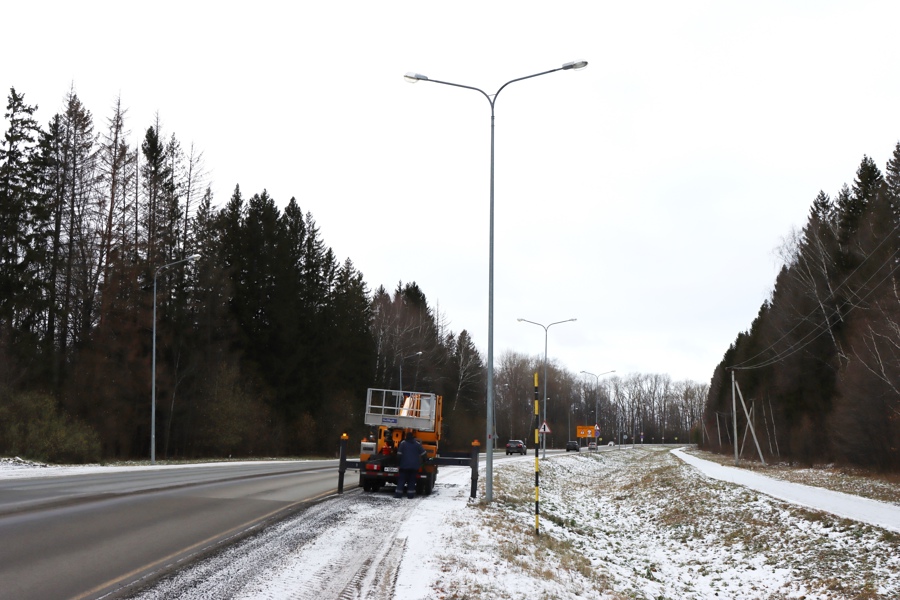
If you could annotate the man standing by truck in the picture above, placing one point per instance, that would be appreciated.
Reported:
(411, 454)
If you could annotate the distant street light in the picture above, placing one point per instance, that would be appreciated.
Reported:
(401, 367)
(596, 410)
(546, 330)
(153, 360)
(492, 99)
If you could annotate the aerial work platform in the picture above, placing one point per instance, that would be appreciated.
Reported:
(395, 408)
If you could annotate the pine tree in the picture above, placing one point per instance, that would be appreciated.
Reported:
(22, 217)
(822, 208)
(891, 186)
(81, 261)
(156, 182)
(867, 399)
(53, 181)
(349, 351)
(851, 206)
(117, 164)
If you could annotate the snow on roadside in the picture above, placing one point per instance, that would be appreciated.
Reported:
(640, 523)
(880, 514)
(637, 523)
(425, 530)
(17, 468)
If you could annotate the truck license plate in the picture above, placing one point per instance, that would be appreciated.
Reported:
(391, 469)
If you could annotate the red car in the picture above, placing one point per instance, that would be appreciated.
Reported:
(516, 446)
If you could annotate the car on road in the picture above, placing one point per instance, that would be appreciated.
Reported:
(572, 447)
(592, 446)
(516, 446)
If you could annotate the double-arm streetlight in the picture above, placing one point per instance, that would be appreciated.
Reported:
(546, 330)
(596, 412)
(401, 367)
(191, 258)
(492, 99)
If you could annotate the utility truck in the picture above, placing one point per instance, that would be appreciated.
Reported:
(394, 413)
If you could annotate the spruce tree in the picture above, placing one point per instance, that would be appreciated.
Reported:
(22, 216)
(156, 182)
(851, 206)
(891, 187)
(81, 269)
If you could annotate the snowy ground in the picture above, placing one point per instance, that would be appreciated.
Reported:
(634, 523)
(15, 468)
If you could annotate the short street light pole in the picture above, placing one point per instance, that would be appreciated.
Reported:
(546, 330)
(492, 99)
(153, 359)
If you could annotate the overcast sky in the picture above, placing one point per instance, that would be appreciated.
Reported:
(645, 195)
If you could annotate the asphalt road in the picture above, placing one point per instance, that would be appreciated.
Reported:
(90, 536)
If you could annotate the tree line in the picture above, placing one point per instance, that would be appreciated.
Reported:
(631, 408)
(820, 363)
(265, 344)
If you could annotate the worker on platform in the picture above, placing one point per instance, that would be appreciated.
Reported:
(411, 455)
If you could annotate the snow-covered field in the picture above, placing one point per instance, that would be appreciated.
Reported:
(642, 523)
(632, 523)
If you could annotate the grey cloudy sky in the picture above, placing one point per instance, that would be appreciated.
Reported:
(644, 196)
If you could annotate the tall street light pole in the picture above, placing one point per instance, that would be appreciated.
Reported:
(492, 99)
(596, 411)
(153, 359)
(546, 330)
(401, 367)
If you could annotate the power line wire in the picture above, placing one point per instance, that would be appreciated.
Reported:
(820, 327)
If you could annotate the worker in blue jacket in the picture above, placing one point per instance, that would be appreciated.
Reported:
(411, 455)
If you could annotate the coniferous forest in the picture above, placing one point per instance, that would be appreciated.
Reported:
(819, 367)
(266, 342)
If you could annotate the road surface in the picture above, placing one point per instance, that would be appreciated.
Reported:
(87, 536)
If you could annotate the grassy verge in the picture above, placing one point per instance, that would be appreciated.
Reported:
(641, 524)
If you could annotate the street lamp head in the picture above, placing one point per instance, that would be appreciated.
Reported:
(194, 257)
(414, 77)
(577, 65)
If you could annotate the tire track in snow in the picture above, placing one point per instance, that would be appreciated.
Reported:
(377, 578)
(368, 553)
(344, 547)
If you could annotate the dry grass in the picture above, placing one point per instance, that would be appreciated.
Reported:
(608, 532)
